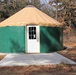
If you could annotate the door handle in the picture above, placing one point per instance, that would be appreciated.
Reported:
(37, 39)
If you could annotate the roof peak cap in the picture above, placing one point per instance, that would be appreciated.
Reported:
(29, 6)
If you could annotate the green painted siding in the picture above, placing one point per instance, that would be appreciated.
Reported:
(12, 39)
(50, 39)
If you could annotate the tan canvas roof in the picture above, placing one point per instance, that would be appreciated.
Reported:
(30, 15)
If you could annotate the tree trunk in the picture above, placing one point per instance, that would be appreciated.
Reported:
(56, 10)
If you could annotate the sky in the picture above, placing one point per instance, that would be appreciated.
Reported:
(44, 1)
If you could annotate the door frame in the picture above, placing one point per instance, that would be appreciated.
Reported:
(26, 49)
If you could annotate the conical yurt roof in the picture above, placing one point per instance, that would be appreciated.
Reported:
(30, 15)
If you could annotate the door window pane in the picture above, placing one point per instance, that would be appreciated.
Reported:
(32, 32)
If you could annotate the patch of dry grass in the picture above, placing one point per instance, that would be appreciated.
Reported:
(69, 53)
(60, 69)
(69, 40)
(2, 56)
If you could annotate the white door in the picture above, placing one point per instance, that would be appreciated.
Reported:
(33, 39)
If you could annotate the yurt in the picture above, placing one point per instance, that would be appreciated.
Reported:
(30, 31)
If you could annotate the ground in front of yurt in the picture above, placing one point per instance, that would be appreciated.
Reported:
(60, 69)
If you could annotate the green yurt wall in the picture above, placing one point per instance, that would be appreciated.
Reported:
(12, 39)
(50, 39)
